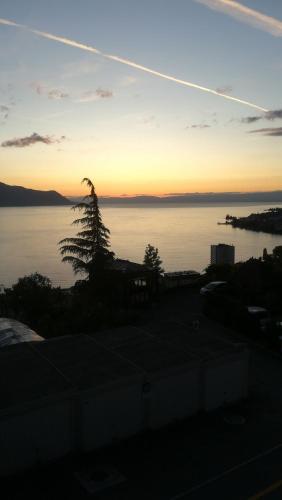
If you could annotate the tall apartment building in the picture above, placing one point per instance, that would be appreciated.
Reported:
(222, 254)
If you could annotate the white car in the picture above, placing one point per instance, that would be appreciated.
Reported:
(213, 286)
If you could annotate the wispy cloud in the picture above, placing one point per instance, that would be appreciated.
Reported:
(79, 68)
(224, 90)
(251, 119)
(275, 114)
(23, 142)
(199, 126)
(51, 93)
(148, 119)
(58, 94)
(271, 131)
(4, 112)
(127, 62)
(104, 94)
(247, 15)
(95, 95)
(126, 81)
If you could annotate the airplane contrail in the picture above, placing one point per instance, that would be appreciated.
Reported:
(127, 62)
(247, 15)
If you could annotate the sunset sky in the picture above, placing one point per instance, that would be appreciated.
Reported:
(67, 112)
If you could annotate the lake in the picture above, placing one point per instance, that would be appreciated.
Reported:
(183, 234)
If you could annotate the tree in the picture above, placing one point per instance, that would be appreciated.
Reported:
(277, 254)
(152, 260)
(88, 252)
(265, 256)
(30, 297)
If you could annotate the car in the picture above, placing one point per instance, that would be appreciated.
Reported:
(213, 286)
(258, 318)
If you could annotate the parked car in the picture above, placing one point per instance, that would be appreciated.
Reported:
(257, 319)
(213, 286)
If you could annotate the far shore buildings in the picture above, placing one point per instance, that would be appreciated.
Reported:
(222, 254)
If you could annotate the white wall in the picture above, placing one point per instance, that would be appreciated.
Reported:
(111, 416)
(174, 397)
(225, 382)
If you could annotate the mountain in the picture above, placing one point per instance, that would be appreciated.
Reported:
(191, 198)
(18, 196)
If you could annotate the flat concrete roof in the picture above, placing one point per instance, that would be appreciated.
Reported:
(25, 376)
(147, 352)
(198, 342)
(85, 363)
(30, 371)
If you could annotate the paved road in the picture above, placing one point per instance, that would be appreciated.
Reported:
(258, 477)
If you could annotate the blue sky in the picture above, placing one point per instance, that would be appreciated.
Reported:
(130, 131)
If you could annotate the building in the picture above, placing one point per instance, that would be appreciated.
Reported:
(15, 332)
(132, 283)
(178, 279)
(222, 254)
(79, 393)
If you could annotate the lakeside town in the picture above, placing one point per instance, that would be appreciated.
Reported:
(132, 348)
(140, 250)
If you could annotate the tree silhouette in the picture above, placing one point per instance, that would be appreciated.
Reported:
(152, 260)
(88, 252)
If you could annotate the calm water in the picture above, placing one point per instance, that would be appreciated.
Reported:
(29, 237)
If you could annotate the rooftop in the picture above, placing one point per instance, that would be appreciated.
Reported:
(149, 353)
(85, 363)
(191, 339)
(25, 376)
(14, 332)
(35, 370)
(126, 266)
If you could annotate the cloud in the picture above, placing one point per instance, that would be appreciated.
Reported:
(275, 114)
(198, 126)
(4, 112)
(148, 119)
(126, 81)
(224, 90)
(95, 95)
(104, 94)
(127, 62)
(23, 142)
(78, 68)
(57, 94)
(271, 131)
(247, 15)
(50, 93)
(251, 119)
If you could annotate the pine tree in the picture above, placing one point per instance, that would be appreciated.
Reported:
(88, 252)
(152, 260)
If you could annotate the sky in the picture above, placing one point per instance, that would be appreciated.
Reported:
(77, 99)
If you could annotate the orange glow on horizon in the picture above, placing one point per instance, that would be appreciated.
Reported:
(166, 187)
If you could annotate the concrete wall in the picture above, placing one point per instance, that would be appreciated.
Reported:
(111, 415)
(174, 397)
(225, 382)
(35, 436)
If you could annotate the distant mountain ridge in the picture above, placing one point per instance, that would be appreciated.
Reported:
(18, 196)
(189, 198)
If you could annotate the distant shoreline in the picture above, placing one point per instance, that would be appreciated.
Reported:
(191, 198)
(161, 204)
